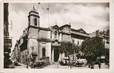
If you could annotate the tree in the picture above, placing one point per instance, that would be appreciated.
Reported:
(68, 48)
(93, 48)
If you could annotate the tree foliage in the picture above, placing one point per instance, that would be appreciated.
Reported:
(65, 46)
(68, 47)
(93, 47)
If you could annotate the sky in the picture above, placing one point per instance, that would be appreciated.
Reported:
(89, 16)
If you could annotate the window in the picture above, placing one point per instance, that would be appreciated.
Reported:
(35, 21)
(66, 54)
(32, 48)
(55, 34)
(43, 52)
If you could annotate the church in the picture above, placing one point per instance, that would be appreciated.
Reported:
(45, 43)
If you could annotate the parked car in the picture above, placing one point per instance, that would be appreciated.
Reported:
(81, 62)
(11, 66)
(64, 61)
(42, 62)
(38, 63)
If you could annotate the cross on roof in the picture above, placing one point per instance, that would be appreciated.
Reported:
(34, 7)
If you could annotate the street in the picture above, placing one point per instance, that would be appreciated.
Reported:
(58, 66)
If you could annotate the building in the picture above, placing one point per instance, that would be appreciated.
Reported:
(45, 43)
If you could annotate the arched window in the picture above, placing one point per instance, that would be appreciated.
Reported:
(55, 34)
(35, 21)
(43, 52)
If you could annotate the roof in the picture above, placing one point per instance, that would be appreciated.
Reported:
(66, 25)
(41, 28)
(55, 27)
(79, 30)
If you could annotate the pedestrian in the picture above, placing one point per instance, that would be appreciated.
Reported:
(27, 65)
(99, 64)
(69, 61)
(27, 62)
(92, 66)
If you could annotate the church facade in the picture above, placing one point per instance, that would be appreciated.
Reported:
(41, 42)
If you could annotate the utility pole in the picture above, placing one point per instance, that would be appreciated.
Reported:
(7, 39)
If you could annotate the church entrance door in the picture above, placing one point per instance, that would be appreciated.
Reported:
(56, 54)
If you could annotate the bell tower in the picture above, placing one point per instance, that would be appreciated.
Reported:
(34, 18)
(33, 33)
